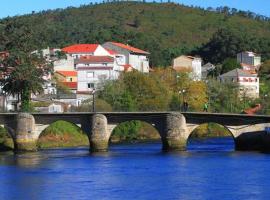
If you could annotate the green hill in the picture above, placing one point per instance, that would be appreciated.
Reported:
(165, 30)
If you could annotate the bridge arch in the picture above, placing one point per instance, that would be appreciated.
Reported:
(133, 130)
(7, 138)
(61, 133)
(208, 130)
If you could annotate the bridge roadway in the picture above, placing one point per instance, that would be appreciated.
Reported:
(174, 127)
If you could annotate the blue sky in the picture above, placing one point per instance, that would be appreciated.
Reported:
(18, 7)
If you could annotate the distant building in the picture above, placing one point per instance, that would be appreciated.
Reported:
(206, 69)
(78, 50)
(66, 76)
(93, 71)
(188, 64)
(249, 85)
(134, 57)
(249, 61)
(67, 79)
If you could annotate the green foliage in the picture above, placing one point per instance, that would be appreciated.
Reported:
(166, 30)
(210, 130)
(6, 142)
(175, 103)
(264, 71)
(223, 97)
(62, 134)
(229, 64)
(127, 131)
(229, 41)
(136, 91)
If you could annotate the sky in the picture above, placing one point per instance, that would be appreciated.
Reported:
(19, 7)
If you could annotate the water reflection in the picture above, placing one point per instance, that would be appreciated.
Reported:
(139, 171)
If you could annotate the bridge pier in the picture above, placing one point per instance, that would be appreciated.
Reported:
(25, 139)
(99, 137)
(175, 134)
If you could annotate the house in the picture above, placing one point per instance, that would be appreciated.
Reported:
(75, 52)
(249, 85)
(93, 71)
(188, 64)
(67, 79)
(64, 64)
(66, 76)
(134, 57)
(249, 61)
(208, 67)
(250, 58)
(78, 50)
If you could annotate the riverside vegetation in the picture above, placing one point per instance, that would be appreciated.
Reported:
(166, 30)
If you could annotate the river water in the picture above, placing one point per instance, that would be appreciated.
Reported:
(210, 169)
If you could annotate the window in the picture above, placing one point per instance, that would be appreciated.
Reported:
(90, 85)
(90, 75)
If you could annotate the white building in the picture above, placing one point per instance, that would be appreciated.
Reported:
(64, 64)
(249, 84)
(93, 71)
(188, 64)
(134, 57)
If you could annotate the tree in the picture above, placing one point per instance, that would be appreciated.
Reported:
(264, 71)
(225, 43)
(23, 75)
(22, 71)
(229, 64)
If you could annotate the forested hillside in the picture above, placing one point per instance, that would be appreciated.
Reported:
(166, 30)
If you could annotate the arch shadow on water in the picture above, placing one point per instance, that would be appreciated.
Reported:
(133, 136)
(211, 137)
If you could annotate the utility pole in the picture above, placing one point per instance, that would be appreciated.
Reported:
(93, 104)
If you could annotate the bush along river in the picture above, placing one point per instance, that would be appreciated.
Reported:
(209, 169)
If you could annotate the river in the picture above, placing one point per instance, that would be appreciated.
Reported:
(210, 169)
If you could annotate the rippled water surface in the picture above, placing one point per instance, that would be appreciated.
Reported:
(210, 169)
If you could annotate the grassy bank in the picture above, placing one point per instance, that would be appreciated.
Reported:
(134, 131)
(210, 130)
(62, 134)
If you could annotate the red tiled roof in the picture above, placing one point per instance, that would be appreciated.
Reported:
(81, 48)
(129, 48)
(71, 85)
(67, 73)
(95, 59)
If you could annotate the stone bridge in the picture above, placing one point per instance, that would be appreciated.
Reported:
(174, 128)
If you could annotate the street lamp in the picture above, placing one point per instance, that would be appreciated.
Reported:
(183, 99)
(93, 104)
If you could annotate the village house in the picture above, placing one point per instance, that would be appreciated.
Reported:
(249, 85)
(249, 61)
(188, 64)
(78, 50)
(93, 71)
(134, 58)
(67, 79)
